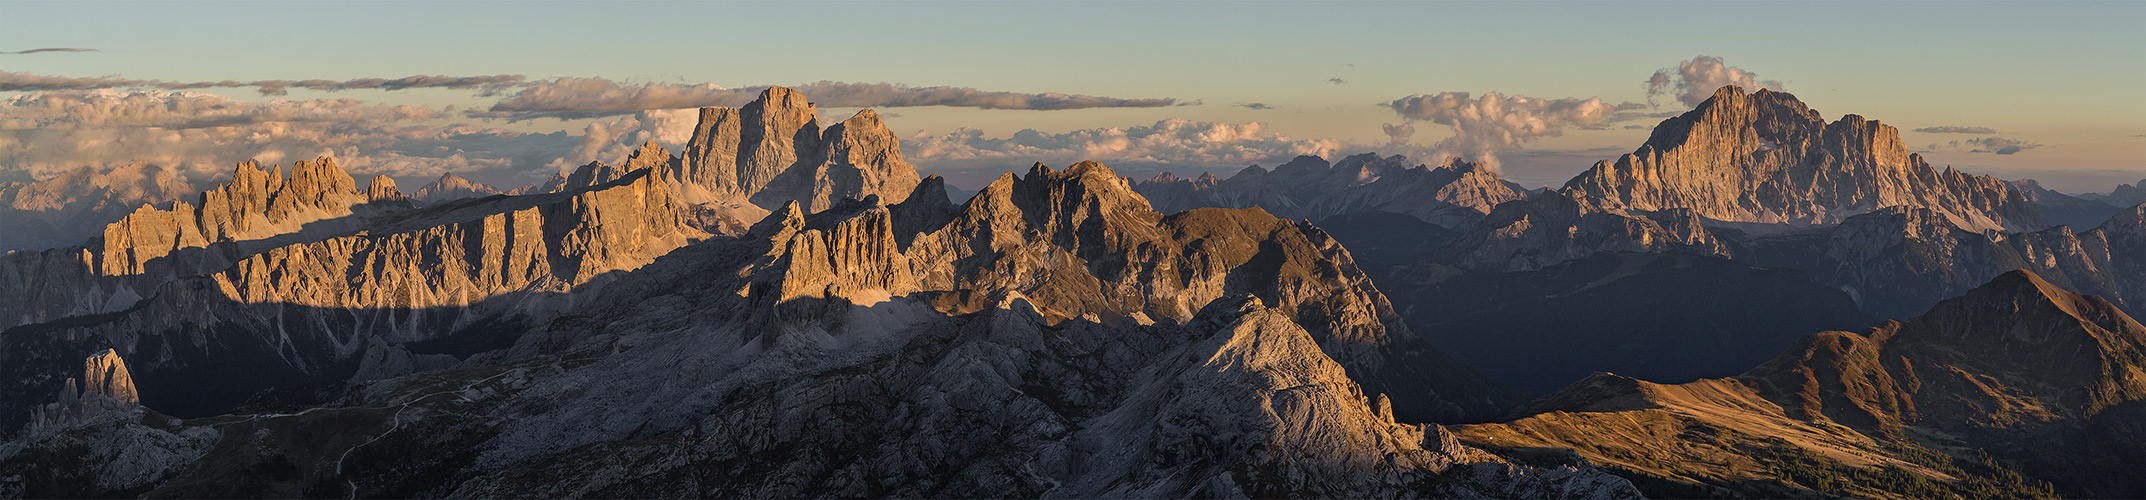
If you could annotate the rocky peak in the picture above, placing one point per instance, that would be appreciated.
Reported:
(317, 184)
(1766, 157)
(772, 151)
(453, 187)
(651, 157)
(596, 172)
(104, 391)
(105, 374)
(382, 189)
(2016, 351)
(2128, 194)
(780, 130)
(860, 158)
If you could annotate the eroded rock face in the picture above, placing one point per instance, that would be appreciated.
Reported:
(151, 246)
(1454, 194)
(104, 392)
(382, 190)
(1055, 336)
(772, 152)
(1765, 157)
(448, 281)
(1760, 178)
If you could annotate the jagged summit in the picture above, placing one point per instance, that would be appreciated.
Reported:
(772, 151)
(105, 390)
(452, 187)
(1766, 157)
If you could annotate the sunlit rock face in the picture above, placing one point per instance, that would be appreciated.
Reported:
(1761, 178)
(772, 151)
(1766, 157)
(1054, 336)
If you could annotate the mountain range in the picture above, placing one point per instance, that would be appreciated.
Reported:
(787, 310)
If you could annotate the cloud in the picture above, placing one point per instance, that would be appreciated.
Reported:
(49, 49)
(1992, 145)
(1337, 81)
(1696, 79)
(1484, 126)
(568, 98)
(1254, 105)
(1957, 130)
(1397, 135)
(488, 84)
(44, 133)
(610, 141)
(1167, 142)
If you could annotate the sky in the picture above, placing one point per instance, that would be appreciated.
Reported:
(2043, 90)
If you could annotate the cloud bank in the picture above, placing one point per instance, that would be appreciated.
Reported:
(1957, 130)
(1992, 145)
(26, 82)
(202, 135)
(1167, 142)
(1696, 79)
(1483, 127)
(569, 98)
(50, 49)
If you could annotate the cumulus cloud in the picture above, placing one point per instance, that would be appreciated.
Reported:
(1254, 105)
(44, 133)
(487, 85)
(1337, 81)
(568, 98)
(1992, 145)
(1397, 135)
(1696, 79)
(1957, 130)
(1484, 126)
(610, 141)
(50, 49)
(1167, 142)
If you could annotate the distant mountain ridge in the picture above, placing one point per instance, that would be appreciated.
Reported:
(1453, 194)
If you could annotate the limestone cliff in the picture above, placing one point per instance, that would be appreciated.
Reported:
(445, 280)
(254, 211)
(772, 151)
(1766, 157)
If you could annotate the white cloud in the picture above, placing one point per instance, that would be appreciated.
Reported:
(44, 133)
(1993, 145)
(592, 97)
(1956, 130)
(487, 85)
(1696, 79)
(1483, 127)
(1167, 142)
